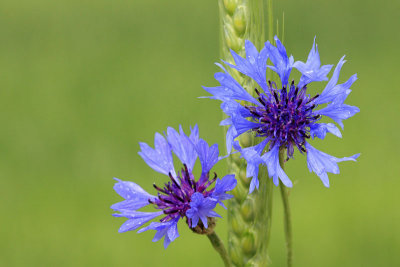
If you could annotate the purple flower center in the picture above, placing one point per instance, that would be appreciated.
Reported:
(174, 199)
(285, 117)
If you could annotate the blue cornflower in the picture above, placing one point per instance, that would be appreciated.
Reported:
(182, 196)
(284, 115)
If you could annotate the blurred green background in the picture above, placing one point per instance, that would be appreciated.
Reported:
(82, 82)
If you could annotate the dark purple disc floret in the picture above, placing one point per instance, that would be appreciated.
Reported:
(285, 116)
(175, 197)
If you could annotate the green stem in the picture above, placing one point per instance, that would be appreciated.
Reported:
(288, 222)
(220, 248)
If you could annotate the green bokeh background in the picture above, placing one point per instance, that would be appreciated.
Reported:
(82, 82)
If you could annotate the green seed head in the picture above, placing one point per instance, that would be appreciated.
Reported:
(248, 244)
(230, 6)
(239, 20)
(243, 178)
(232, 41)
(247, 210)
(240, 193)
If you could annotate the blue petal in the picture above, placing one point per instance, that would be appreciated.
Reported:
(129, 190)
(227, 183)
(338, 112)
(208, 155)
(320, 129)
(340, 92)
(201, 208)
(167, 241)
(182, 146)
(194, 134)
(282, 64)
(130, 204)
(253, 65)
(191, 213)
(341, 97)
(230, 89)
(311, 70)
(255, 183)
(232, 109)
(231, 134)
(253, 159)
(164, 229)
(271, 159)
(161, 228)
(332, 89)
(173, 232)
(326, 95)
(160, 158)
(321, 163)
(252, 170)
(136, 219)
(135, 196)
(242, 125)
(226, 122)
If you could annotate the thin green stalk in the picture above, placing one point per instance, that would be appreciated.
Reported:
(287, 218)
(220, 248)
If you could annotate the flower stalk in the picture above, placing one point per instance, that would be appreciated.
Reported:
(287, 217)
(220, 248)
(249, 215)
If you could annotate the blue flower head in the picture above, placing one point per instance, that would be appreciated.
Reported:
(283, 114)
(182, 196)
